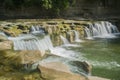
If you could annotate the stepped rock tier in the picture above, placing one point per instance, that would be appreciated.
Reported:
(46, 45)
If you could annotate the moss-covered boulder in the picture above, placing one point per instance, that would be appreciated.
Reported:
(15, 31)
(12, 68)
(11, 31)
(9, 60)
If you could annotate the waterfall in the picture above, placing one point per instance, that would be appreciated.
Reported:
(101, 29)
(77, 39)
(31, 42)
(65, 41)
(37, 29)
(88, 33)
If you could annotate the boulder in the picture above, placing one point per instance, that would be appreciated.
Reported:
(9, 61)
(85, 67)
(31, 56)
(4, 45)
(19, 60)
(58, 71)
(3, 37)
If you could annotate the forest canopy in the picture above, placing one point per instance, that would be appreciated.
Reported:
(55, 5)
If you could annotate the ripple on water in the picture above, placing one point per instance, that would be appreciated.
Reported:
(107, 65)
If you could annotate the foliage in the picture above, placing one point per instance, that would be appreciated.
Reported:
(47, 4)
(55, 5)
(59, 5)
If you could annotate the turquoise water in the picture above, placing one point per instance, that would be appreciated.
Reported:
(103, 54)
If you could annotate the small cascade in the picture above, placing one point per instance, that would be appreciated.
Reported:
(102, 29)
(88, 33)
(65, 41)
(31, 43)
(77, 39)
(37, 30)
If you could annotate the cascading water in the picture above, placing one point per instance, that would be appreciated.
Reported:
(37, 30)
(77, 39)
(88, 33)
(65, 41)
(31, 42)
(102, 29)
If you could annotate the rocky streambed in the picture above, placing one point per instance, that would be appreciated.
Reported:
(30, 58)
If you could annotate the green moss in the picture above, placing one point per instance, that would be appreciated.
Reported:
(10, 58)
(15, 31)
(11, 68)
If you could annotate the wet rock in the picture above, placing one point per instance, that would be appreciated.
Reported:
(22, 27)
(71, 36)
(3, 37)
(52, 22)
(59, 71)
(31, 56)
(9, 60)
(83, 67)
(80, 29)
(7, 68)
(12, 31)
(49, 30)
(4, 45)
(21, 60)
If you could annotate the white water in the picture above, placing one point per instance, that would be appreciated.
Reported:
(88, 33)
(36, 29)
(65, 41)
(101, 29)
(77, 39)
(60, 51)
(107, 65)
(31, 42)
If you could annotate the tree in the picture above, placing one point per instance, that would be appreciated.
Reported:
(8, 4)
(47, 4)
(60, 5)
(56, 6)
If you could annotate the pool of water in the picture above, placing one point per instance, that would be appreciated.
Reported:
(103, 54)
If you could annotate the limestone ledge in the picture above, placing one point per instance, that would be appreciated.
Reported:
(54, 28)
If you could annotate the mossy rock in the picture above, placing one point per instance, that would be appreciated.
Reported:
(4, 78)
(60, 26)
(63, 28)
(66, 27)
(11, 59)
(15, 31)
(16, 75)
(22, 27)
